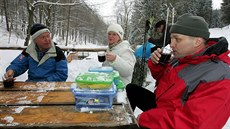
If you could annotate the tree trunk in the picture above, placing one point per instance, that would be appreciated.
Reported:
(67, 31)
(53, 28)
(30, 22)
(6, 15)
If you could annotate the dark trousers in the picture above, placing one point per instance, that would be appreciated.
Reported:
(140, 97)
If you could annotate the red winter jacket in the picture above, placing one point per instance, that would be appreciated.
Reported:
(193, 92)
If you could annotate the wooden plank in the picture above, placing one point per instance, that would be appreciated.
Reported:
(64, 117)
(34, 97)
(59, 97)
(12, 48)
(64, 49)
(38, 86)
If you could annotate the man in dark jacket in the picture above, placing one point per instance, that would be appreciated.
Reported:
(158, 38)
(193, 89)
(43, 60)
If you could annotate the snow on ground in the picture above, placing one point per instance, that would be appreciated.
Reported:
(80, 66)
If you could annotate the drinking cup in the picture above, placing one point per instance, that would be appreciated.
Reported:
(101, 56)
(9, 82)
(165, 55)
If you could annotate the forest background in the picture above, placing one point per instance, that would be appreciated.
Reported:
(77, 22)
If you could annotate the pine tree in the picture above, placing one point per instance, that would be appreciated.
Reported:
(225, 8)
(204, 9)
(216, 19)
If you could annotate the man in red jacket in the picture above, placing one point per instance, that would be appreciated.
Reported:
(193, 90)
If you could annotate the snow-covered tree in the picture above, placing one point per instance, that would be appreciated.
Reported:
(225, 8)
(204, 9)
(68, 19)
(145, 10)
(216, 19)
(123, 13)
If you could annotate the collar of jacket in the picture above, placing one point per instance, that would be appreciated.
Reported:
(114, 44)
(32, 52)
(123, 44)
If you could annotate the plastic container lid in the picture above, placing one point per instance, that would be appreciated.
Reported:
(77, 90)
(101, 69)
(95, 78)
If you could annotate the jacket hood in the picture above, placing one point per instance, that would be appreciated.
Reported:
(217, 46)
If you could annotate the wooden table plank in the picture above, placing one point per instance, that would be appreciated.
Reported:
(38, 86)
(34, 97)
(59, 97)
(63, 117)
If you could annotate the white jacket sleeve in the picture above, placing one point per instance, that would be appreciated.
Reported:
(124, 62)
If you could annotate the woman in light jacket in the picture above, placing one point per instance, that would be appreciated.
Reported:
(120, 56)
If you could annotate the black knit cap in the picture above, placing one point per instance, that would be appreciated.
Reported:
(190, 25)
(36, 27)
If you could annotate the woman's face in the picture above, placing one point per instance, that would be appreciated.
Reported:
(113, 37)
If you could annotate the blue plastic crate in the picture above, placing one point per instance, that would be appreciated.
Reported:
(94, 99)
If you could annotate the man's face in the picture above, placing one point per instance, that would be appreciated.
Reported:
(43, 41)
(160, 29)
(182, 45)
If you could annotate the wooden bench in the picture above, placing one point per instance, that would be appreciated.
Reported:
(72, 53)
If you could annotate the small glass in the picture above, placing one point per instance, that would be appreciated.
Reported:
(101, 56)
(9, 82)
(165, 55)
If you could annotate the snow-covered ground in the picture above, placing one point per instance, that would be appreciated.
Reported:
(79, 66)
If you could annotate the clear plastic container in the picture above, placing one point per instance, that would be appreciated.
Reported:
(88, 98)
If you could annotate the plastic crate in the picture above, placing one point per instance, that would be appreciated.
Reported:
(93, 99)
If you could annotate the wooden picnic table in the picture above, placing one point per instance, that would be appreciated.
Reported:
(52, 105)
